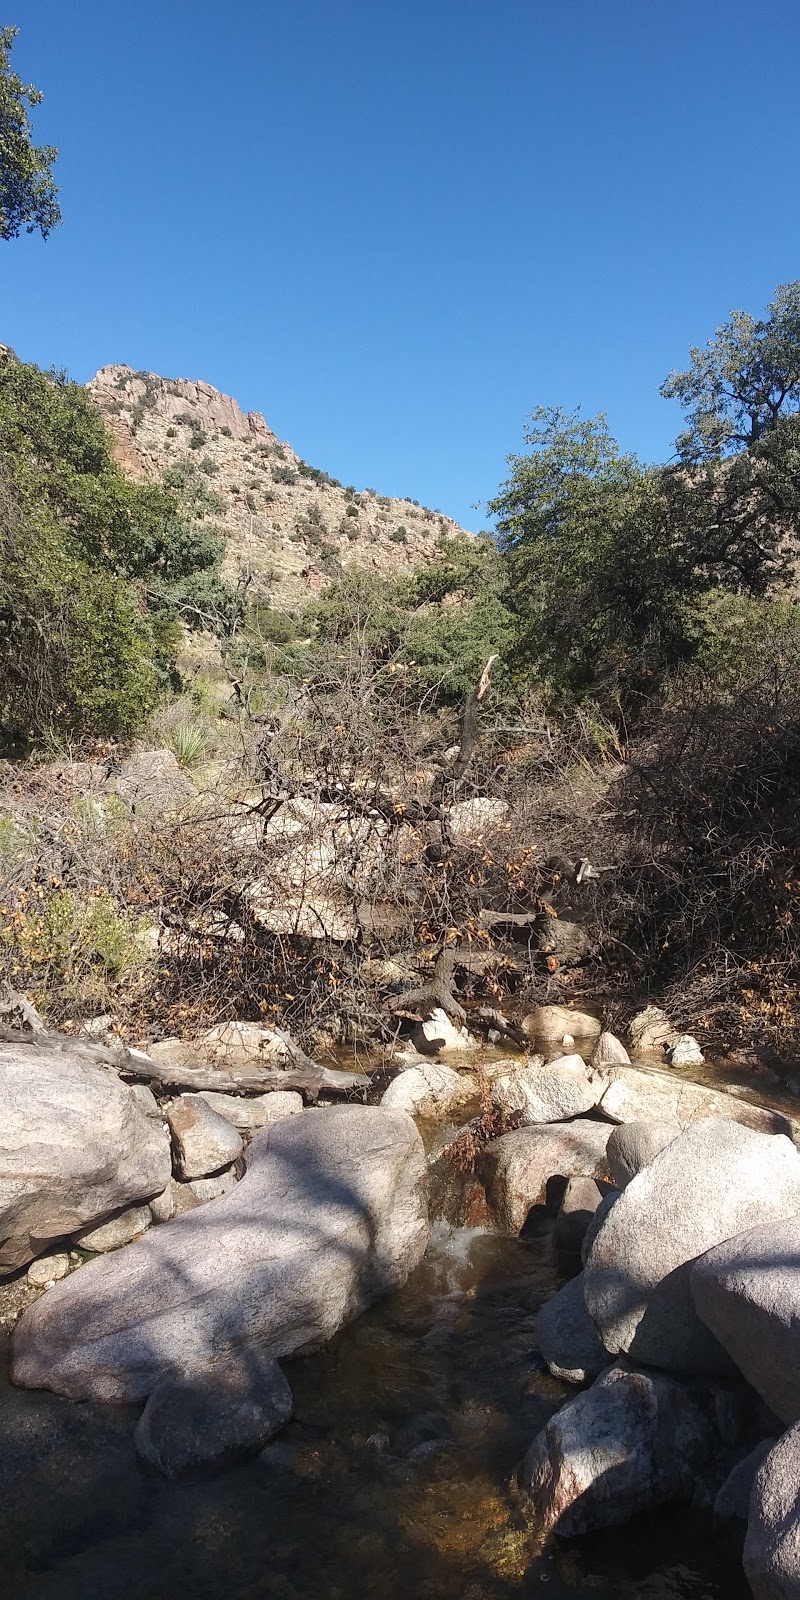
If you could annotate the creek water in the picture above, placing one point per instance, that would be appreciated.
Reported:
(389, 1484)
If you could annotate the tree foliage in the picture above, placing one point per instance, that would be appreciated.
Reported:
(28, 194)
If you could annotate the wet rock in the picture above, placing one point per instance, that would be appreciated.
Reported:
(634, 1144)
(581, 1199)
(249, 1114)
(331, 1214)
(712, 1181)
(609, 1051)
(555, 1093)
(428, 1090)
(732, 1500)
(645, 1094)
(772, 1545)
(553, 1022)
(651, 1032)
(48, 1269)
(567, 1337)
(214, 1415)
(75, 1146)
(517, 1167)
(119, 1230)
(632, 1442)
(747, 1291)
(204, 1141)
(685, 1052)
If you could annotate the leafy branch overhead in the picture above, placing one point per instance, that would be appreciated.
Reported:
(28, 193)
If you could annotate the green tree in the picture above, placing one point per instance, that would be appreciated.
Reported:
(738, 386)
(28, 194)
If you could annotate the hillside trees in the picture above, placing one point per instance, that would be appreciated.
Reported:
(28, 194)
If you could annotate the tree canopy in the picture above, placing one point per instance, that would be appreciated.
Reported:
(28, 193)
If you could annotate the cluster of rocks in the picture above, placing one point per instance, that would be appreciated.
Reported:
(681, 1206)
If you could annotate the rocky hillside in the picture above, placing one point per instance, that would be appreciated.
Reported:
(293, 525)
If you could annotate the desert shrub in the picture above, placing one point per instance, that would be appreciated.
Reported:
(188, 745)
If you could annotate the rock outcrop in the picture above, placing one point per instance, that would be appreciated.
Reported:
(331, 1214)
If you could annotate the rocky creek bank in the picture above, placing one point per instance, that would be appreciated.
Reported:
(167, 1251)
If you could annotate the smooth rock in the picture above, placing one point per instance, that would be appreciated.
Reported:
(331, 1214)
(610, 1051)
(147, 1101)
(772, 1545)
(645, 1094)
(211, 1416)
(685, 1052)
(249, 1114)
(651, 1032)
(747, 1291)
(732, 1500)
(596, 1223)
(205, 1189)
(712, 1181)
(204, 1141)
(517, 1167)
(553, 1022)
(581, 1200)
(48, 1269)
(632, 1442)
(634, 1144)
(567, 1337)
(428, 1090)
(119, 1230)
(75, 1146)
(439, 1030)
(555, 1093)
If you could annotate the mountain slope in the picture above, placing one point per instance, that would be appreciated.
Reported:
(293, 526)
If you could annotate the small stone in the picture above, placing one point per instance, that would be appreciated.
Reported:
(117, 1231)
(205, 1189)
(686, 1052)
(378, 1443)
(634, 1144)
(609, 1051)
(48, 1269)
(204, 1141)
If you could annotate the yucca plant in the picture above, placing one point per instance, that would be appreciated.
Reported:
(188, 745)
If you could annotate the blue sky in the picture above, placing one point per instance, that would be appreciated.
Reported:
(393, 227)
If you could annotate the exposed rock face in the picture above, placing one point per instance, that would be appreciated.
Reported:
(232, 471)
(553, 1093)
(471, 819)
(772, 1546)
(651, 1032)
(428, 1089)
(632, 1442)
(75, 1146)
(712, 1181)
(634, 1144)
(644, 1094)
(747, 1291)
(518, 1166)
(567, 1337)
(331, 1214)
(204, 1141)
(553, 1022)
(153, 780)
(230, 1410)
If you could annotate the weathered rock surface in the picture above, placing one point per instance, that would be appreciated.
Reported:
(596, 1223)
(517, 1166)
(428, 1090)
(553, 1022)
(610, 1052)
(230, 1410)
(686, 1052)
(250, 1114)
(732, 1500)
(471, 819)
(48, 1269)
(75, 1146)
(581, 1200)
(632, 1442)
(153, 780)
(747, 1291)
(633, 1145)
(205, 1189)
(645, 1094)
(567, 1337)
(119, 1230)
(555, 1093)
(712, 1181)
(651, 1032)
(772, 1546)
(204, 1141)
(230, 1046)
(331, 1213)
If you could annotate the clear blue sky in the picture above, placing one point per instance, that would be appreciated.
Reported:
(393, 227)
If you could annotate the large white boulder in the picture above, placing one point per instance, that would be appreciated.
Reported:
(331, 1214)
(645, 1094)
(554, 1022)
(555, 1093)
(747, 1291)
(712, 1181)
(75, 1146)
(428, 1089)
(471, 819)
(772, 1546)
(517, 1167)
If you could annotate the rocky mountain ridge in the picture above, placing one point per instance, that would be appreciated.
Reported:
(294, 527)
